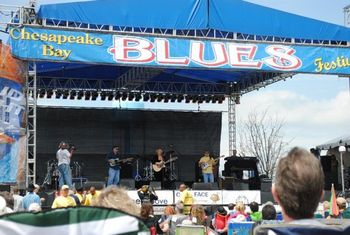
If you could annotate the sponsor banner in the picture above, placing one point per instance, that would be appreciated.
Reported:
(246, 196)
(165, 197)
(207, 197)
(107, 48)
(12, 118)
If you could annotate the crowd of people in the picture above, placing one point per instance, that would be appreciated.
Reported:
(298, 201)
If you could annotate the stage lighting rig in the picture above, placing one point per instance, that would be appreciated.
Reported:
(80, 95)
(146, 97)
(58, 94)
(87, 95)
(207, 98)
(42, 93)
(160, 97)
(138, 96)
(72, 95)
(117, 96)
(180, 98)
(94, 95)
(124, 96)
(188, 99)
(65, 94)
(103, 95)
(153, 97)
(173, 98)
(131, 96)
(110, 95)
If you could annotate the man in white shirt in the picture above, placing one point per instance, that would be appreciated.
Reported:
(17, 200)
(63, 157)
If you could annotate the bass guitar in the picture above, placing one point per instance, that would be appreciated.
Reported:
(205, 165)
(114, 162)
(159, 166)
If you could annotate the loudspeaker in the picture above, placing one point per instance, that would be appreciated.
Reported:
(157, 185)
(227, 183)
(266, 197)
(128, 183)
(5, 187)
(99, 185)
(266, 185)
(240, 186)
(202, 186)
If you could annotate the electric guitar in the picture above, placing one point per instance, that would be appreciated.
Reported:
(205, 165)
(159, 166)
(114, 162)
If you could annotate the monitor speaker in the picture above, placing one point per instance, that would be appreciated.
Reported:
(202, 186)
(157, 185)
(99, 185)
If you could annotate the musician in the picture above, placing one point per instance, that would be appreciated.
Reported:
(64, 156)
(206, 163)
(113, 159)
(159, 160)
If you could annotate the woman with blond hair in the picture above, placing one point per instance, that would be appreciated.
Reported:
(240, 213)
(197, 216)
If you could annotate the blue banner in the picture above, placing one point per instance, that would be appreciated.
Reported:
(104, 48)
(12, 118)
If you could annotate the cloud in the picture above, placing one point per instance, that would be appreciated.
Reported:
(309, 120)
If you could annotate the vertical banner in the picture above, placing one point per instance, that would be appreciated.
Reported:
(12, 117)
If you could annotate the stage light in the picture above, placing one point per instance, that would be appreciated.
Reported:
(94, 95)
(194, 99)
(200, 99)
(153, 97)
(131, 96)
(167, 98)
(188, 99)
(146, 97)
(103, 95)
(173, 98)
(58, 94)
(117, 96)
(42, 93)
(214, 99)
(110, 95)
(207, 99)
(72, 95)
(180, 98)
(237, 99)
(124, 96)
(49, 93)
(65, 94)
(80, 95)
(160, 98)
(138, 96)
(87, 95)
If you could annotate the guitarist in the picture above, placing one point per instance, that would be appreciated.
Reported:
(159, 159)
(206, 163)
(113, 159)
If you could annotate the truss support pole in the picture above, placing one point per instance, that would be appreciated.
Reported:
(31, 104)
(231, 124)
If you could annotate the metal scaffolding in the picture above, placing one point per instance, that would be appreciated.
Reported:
(31, 104)
(232, 124)
(347, 16)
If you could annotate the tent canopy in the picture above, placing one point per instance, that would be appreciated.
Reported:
(226, 15)
(336, 142)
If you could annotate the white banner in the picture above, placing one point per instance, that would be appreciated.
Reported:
(246, 196)
(165, 197)
(203, 196)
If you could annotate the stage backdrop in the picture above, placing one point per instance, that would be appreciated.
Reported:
(12, 116)
(138, 133)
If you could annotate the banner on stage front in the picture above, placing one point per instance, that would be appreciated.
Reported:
(12, 118)
(32, 43)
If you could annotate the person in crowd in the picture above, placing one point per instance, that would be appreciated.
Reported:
(148, 217)
(80, 194)
(341, 203)
(269, 214)
(240, 213)
(34, 207)
(169, 226)
(255, 214)
(206, 163)
(64, 156)
(8, 198)
(147, 195)
(116, 198)
(292, 189)
(325, 209)
(64, 200)
(220, 221)
(197, 216)
(75, 197)
(30, 198)
(17, 199)
(3, 207)
(231, 209)
(186, 198)
(39, 192)
(91, 196)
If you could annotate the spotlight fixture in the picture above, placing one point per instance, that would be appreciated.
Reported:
(237, 99)
(200, 99)
(80, 95)
(72, 95)
(110, 95)
(173, 98)
(65, 94)
(146, 97)
(180, 98)
(194, 99)
(131, 96)
(138, 96)
(188, 99)
(124, 96)
(159, 97)
(94, 95)
(221, 99)
(58, 94)
(103, 95)
(42, 93)
(153, 97)
(117, 96)
(207, 98)
(167, 97)
(49, 93)
(87, 95)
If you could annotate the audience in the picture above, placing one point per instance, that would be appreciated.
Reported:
(30, 198)
(92, 195)
(298, 187)
(149, 219)
(186, 198)
(34, 207)
(231, 209)
(169, 226)
(197, 216)
(220, 221)
(240, 214)
(255, 214)
(64, 200)
(80, 194)
(268, 213)
(4, 209)
(117, 198)
(17, 200)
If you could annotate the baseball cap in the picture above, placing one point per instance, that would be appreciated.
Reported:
(64, 187)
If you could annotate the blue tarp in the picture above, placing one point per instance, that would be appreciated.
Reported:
(225, 15)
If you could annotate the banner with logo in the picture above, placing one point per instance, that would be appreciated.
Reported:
(246, 196)
(32, 43)
(165, 197)
(12, 117)
(206, 197)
